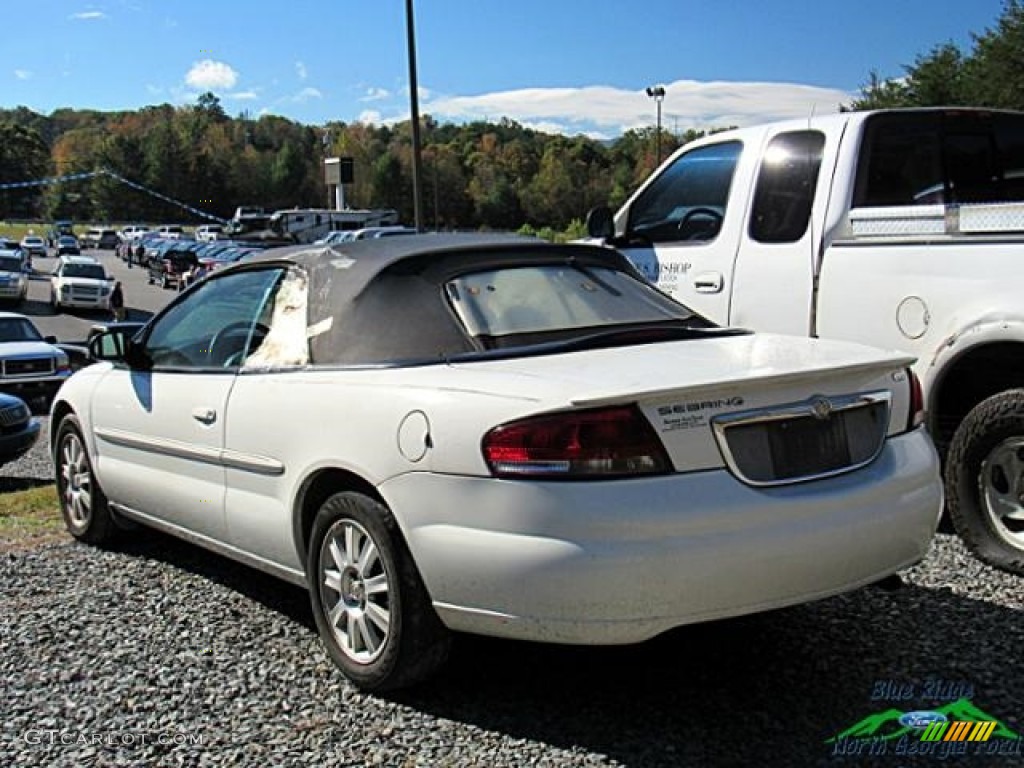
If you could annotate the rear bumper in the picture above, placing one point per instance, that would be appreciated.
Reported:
(622, 561)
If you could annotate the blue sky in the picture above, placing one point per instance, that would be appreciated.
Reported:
(558, 65)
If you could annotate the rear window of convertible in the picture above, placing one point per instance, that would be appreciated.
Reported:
(539, 299)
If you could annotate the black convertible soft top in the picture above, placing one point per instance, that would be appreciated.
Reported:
(374, 302)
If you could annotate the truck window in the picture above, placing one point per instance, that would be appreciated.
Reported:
(687, 200)
(941, 157)
(785, 187)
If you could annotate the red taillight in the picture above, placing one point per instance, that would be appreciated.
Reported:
(608, 442)
(915, 417)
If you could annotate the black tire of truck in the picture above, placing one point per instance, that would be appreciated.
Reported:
(985, 481)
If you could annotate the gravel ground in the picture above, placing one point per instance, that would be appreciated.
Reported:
(159, 653)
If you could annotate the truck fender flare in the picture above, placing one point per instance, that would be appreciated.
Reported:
(982, 333)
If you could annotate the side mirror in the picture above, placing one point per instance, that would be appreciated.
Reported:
(601, 223)
(50, 339)
(116, 346)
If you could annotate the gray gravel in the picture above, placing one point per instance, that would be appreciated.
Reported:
(159, 653)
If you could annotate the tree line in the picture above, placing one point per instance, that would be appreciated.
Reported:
(478, 175)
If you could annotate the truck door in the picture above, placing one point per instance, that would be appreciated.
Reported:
(681, 229)
(773, 279)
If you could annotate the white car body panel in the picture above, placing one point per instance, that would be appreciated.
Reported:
(587, 563)
(150, 438)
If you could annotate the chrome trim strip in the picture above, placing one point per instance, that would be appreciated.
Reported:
(291, 575)
(246, 462)
(160, 445)
(804, 409)
(251, 462)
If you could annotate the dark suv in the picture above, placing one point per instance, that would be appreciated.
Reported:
(169, 268)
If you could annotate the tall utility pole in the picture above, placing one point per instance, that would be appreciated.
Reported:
(656, 92)
(414, 103)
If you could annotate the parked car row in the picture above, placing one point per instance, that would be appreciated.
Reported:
(175, 263)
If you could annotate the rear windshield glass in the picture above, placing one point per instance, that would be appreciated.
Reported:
(547, 298)
(10, 264)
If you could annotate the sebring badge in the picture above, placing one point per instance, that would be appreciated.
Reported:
(821, 407)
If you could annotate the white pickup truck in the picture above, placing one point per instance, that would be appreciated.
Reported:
(901, 229)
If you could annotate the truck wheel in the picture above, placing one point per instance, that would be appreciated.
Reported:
(985, 481)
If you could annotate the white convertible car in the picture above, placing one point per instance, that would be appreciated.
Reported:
(497, 435)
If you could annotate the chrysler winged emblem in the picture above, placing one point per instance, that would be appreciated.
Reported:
(821, 408)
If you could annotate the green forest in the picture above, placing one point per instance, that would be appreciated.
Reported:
(476, 175)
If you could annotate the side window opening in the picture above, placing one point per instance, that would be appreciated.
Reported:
(785, 187)
(687, 201)
(284, 315)
(940, 157)
(217, 325)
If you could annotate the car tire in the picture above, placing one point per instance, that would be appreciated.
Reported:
(83, 504)
(985, 481)
(371, 607)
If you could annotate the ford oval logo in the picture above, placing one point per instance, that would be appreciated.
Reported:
(921, 718)
(821, 408)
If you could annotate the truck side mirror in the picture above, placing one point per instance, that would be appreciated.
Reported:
(601, 223)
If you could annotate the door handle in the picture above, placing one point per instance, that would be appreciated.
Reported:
(204, 415)
(708, 282)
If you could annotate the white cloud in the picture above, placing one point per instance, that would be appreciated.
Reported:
(153, 90)
(547, 126)
(376, 94)
(306, 94)
(607, 111)
(249, 95)
(301, 71)
(87, 15)
(23, 74)
(370, 117)
(211, 75)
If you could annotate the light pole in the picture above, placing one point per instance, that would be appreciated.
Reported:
(657, 92)
(414, 103)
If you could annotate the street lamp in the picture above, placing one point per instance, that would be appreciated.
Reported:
(657, 92)
(417, 163)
